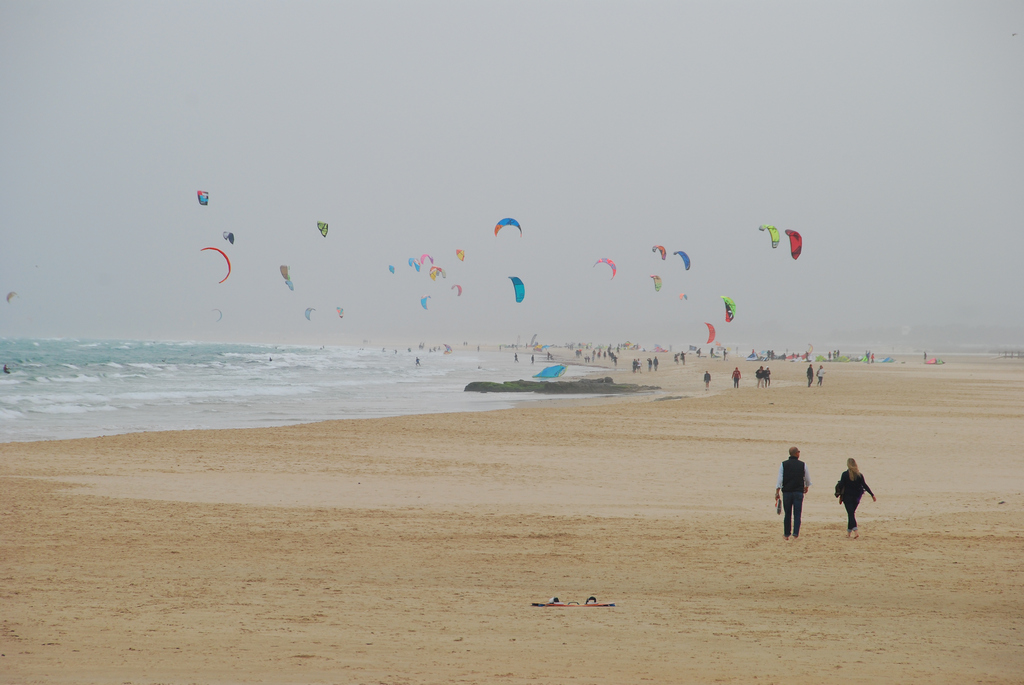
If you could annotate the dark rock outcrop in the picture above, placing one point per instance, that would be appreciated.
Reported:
(583, 386)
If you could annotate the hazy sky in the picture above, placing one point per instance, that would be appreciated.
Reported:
(890, 134)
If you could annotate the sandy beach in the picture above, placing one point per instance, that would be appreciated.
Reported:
(408, 549)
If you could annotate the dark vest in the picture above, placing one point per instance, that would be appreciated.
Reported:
(792, 475)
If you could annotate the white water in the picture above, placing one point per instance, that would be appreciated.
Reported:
(71, 388)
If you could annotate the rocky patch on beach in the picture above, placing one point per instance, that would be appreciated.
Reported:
(583, 386)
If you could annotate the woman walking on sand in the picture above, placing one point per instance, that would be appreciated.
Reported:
(852, 489)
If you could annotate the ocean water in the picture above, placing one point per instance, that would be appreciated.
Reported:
(85, 388)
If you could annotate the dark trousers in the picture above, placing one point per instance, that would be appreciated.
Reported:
(792, 504)
(851, 511)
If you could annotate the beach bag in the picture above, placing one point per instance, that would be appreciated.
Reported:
(839, 488)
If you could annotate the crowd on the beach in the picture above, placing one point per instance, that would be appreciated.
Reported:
(638, 366)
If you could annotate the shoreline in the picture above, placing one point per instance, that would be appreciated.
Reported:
(409, 548)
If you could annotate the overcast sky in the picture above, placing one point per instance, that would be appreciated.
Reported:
(889, 134)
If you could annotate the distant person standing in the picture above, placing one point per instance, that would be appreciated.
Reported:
(767, 376)
(707, 380)
(794, 481)
(531, 358)
(517, 357)
(736, 377)
(821, 374)
(759, 375)
(851, 488)
(655, 363)
(810, 374)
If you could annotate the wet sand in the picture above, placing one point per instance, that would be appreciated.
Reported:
(408, 550)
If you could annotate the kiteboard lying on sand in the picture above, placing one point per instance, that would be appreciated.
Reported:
(591, 602)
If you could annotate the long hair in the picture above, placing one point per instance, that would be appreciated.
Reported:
(851, 464)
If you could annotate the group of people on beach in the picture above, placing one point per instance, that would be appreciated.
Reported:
(795, 480)
(638, 366)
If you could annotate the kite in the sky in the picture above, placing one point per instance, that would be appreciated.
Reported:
(609, 262)
(657, 283)
(435, 271)
(459, 287)
(773, 232)
(508, 222)
(796, 243)
(711, 332)
(424, 258)
(216, 249)
(659, 248)
(323, 228)
(461, 254)
(413, 262)
(220, 315)
(341, 312)
(682, 296)
(686, 259)
(230, 237)
(204, 197)
(391, 268)
(423, 300)
(730, 308)
(11, 295)
(308, 310)
(287, 278)
(520, 290)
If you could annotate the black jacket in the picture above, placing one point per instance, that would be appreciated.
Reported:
(853, 490)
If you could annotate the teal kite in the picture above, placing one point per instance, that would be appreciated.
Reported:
(520, 290)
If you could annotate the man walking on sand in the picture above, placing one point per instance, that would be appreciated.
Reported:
(707, 380)
(810, 374)
(794, 481)
(736, 377)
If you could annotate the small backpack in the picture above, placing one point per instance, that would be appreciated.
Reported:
(839, 488)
